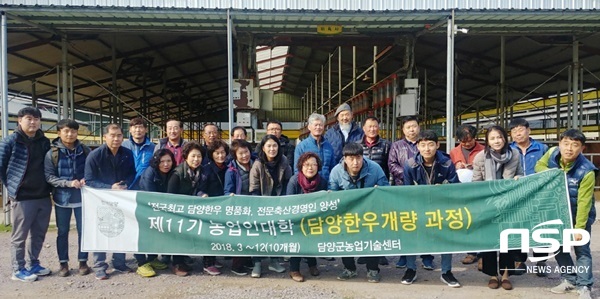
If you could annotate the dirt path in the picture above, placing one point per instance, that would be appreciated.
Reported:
(271, 285)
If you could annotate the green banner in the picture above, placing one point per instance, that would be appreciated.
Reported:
(365, 222)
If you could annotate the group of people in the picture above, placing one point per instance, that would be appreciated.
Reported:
(346, 156)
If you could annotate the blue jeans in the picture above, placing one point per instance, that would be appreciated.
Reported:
(63, 223)
(118, 259)
(411, 262)
(583, 258)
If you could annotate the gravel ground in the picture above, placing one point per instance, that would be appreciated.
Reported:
(271, 285)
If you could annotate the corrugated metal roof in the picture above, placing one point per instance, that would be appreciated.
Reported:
(350, 5)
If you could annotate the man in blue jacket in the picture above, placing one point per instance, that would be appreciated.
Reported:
(317, 144)
(530, 152)
(110, 166)
(345, 131)
(356, 172)
(430, 167)
(22, 172)
(141, 146)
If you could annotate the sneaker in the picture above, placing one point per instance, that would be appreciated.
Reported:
(383, 261)
(122, 269)
(212, 270)
(101, 274)
(314, 271)
(401, 262)
(84, 269)
(188, 260)
(449, 279)
(347, 274)
(24, 275)
(64, 270)
(145, 270)
(180, 270)
(38, 270)
(218, 265)
(329, 259)
(540, 266)
(158, 265)
(373, 276)
(409, 276)
(584, 293)
(361, 261)
(563, 288)
(256, 270)
(428, 264)
(241, 271)
(275, 266)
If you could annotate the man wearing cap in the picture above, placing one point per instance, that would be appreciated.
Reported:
(345, 131)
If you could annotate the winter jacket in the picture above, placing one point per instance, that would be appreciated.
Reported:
(581, 175)
(233, 179)
(70, 165)
(443, 171)
(181, 182)
(153, 180)
(176, 150)
(401, 151)
(103, 169)
(293, 186)
(19, 155)
(142, 154)
(370, 175)
(213, 180)
(533, 153)
(323, 149)
(335, 136)
(378, 153)
(456, 154)
(511, 169)
(261, 182)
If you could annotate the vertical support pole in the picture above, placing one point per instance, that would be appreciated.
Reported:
(33, 93)
(58, 92)
(387, 107)
(353, 71)
(374, 64)
(230, 70)
(569, 97)
(71, 94)
(425, 107)
(323, 88)
(450, 85)
(329, 83)
(394, 112)
(4, 91)
(502, 81)
(65, 78)
(317, 94)
(113, 97)
(339, 76)
(581, 114)
(575, 84)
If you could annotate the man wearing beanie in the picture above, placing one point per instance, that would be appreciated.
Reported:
(344, 132)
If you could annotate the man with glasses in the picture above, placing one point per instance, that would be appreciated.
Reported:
(274, 127)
